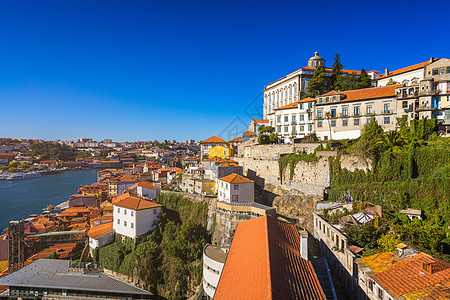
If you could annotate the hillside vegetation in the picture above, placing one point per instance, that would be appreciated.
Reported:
(169, 260)
(411, 169)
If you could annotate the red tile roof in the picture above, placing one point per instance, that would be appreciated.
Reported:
(264, 262)
(238, 139)
(369, 93)
(260, 121)
(100, 230)
(248, 133)
(408, 275)
(134, 202)
(214, 140)
(407, 69)
(235, 178)
(147, 185)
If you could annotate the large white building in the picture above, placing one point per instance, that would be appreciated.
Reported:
(292, 87)
(235, 188)
(134, 216)
(295, 120)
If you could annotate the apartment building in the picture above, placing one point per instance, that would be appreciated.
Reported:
(342, 115)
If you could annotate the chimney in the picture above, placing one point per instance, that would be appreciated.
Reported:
(386, 72)
(304, 244)
(431, 59)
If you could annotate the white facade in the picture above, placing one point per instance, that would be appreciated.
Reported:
(236, 192)
(212, 268)
(104, 240)
(134, 223)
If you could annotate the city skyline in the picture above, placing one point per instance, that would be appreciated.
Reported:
(181, 71)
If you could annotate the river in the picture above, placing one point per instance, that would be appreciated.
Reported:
(20, 198)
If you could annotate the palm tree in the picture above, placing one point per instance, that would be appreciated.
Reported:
(328, 116)
(309, 112)
(391, 140)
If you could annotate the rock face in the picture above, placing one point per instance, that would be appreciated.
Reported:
(295, 205)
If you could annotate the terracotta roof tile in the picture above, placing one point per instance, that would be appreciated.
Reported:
(238, 139)
(134, 202)
(214, 140)
(407, 69)
(260, 121)
(100, 230)
(362, 94)
(249, 133)
(264, 262)
(235, 178)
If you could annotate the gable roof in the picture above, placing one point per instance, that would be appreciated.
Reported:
(362, 94)
(248, 133)
(100, 230)
(406, 69)
(238, 139)
(214, 140)
(235, 178)
(264, 262)
(134, 202)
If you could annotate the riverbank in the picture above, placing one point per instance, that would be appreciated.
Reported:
(21, 198)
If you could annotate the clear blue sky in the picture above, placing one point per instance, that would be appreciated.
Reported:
(144, 70)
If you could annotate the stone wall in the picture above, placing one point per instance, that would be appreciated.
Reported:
(353, 162)
(274, 151)
(226, 225)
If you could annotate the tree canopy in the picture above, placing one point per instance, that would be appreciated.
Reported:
(318, 85)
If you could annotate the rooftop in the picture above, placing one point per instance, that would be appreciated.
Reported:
(264, 262)
(236, 178)
(214, 140)
(54, 273)
(134, 202)
(216, 253)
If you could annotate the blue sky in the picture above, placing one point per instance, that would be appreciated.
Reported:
(145, 70)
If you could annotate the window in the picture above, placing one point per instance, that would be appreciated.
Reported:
(333, 123)
(435, 72)
(326, 100)
(118, 210)
(290, 91)
(286, 128)
(225, 152)
(279, 119)
(310, 127)
(356, 122)
(320, 100)
(344, 122)
(295, 89)
(333, 112)
(371, 285)
(319, 124)
(387, 108)
(405, 104)
(279, 129)
(345, 111)
(125, 223)
(310, 105)
(132, 213)
(236, 187)
(302, 128)
(154, 211)
(310, 117)
(294, 118)
(132, 225)
(380, 293)
(234, 198)
(154, 222)
(442, 70)
(369, 120)
(319, 114)
(286, 119)
(302, 117)
(334, 98)
(448, 69)
(387, 120)
(356, 110)
(301, 105)
(369, 109)
(125, 212)
(118, 221)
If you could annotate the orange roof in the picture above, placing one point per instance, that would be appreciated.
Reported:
(368, 93)
(409, 275)
(147, 185)
(238, 139)
(288, 106)
(134, 202)
(100, 230)
(407, 69)
(213, 140)
(107, 217)
(249, 133)
(235, 178)
(331, 93)
(228, 164)
(215, 158)
(260, 121)
(264, 262)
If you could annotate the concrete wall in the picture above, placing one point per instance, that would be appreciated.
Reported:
(212, 270)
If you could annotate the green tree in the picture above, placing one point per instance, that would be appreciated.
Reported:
(366, 144)
(336, 72)
(266, 135)
(347, 82)
(391, 140)
(364, 80)
(318, 84)
(53, 255)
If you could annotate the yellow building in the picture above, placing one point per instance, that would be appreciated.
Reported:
(220, 151)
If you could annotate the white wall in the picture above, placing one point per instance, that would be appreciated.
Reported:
(419, 73)
(142, 221)
(245, 192)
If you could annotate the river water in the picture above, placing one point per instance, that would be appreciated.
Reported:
(20, 198)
